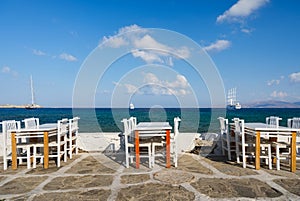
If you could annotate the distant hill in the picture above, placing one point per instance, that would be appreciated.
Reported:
(272, 104)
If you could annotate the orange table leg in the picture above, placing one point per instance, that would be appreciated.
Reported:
(168, 154)
(257, 151)
(46, 150)
(293, 152)
(137, 150)
(14, 151)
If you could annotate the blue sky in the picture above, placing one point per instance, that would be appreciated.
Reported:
(253, 45)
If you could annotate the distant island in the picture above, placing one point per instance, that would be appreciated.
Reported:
(17, 106)
(273, 104)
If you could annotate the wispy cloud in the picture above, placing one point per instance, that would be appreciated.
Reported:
(242, 9)
(275, 81)
(295, 77)
(67, 57)
(38, 52)
(218, 45)
(5, 69)
(8, 70)
(247, 31)
(144, 46)
(278, 94)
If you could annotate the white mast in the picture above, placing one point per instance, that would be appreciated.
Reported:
(32, 93)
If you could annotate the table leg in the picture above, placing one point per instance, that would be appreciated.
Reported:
(46, 150)
(257, 151)
(168, 154)
(293, 152)
(137, 149)
(13, 151)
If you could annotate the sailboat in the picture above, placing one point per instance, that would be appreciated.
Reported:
(231, 99)
(32, 105)
(131, 106)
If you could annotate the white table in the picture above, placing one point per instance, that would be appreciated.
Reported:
(259, 129)
(44, 131)
(152, 129)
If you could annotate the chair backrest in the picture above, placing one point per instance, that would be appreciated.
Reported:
(73, 124)
(176, 125)
(7, 126)
(31, 122)
(132, 123)
(125, 126)
(62, 126)
(239, 126)
(273, 121)
(294, 122)
(223, 125)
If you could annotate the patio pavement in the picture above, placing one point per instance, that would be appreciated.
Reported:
(103, 176)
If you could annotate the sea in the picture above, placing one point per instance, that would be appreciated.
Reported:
(200, 120)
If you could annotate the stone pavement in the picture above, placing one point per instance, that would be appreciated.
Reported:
(102, 176)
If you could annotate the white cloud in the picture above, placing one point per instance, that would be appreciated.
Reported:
(67, 57)
(114, 41)
(241, 10)
(144, 46)
(247, 31)
(147, 56)
(152, 85)
(38, 52)
(219, 45)
(161, 87)
(279, 94)
(8, 70)
(131, 88)
(295, 77)
(5, 69)
(273, 82)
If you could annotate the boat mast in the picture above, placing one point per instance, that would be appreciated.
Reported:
(31, 86)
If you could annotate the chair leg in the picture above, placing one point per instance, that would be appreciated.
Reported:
(28, 157)
(4, 161)
(277, 158)
(270, 157)
(34, 157)
(70, 147)
(237, 152)
(127, 157)
(58, 155)
(65, 149)
(244, 156)
(150, 156)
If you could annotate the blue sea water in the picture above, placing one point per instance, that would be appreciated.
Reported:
(199, 120)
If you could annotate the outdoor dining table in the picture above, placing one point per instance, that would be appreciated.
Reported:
(153, 129)
(43, 128)
(260, 129)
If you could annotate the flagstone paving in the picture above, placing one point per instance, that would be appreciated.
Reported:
(102, 176)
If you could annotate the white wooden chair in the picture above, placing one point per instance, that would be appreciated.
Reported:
(23, 148)
(31, 122)
(57, 144)
(173, 144)
(282, 146)
(128, 131)
(58, 147)
(226, 139)
(273, 121)
(245, 146)
(72, 136)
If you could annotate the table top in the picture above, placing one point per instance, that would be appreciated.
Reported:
(147, 126)
(42, 128)
(266, 127)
